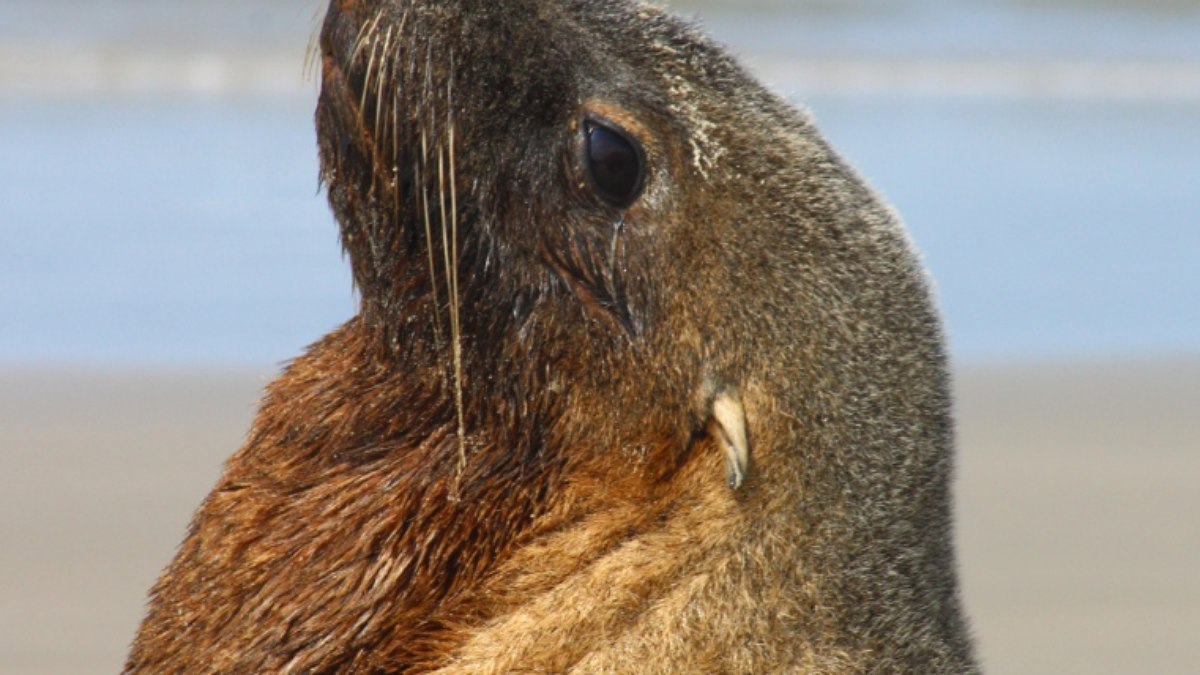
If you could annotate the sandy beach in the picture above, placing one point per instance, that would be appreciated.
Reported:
(1078, 504)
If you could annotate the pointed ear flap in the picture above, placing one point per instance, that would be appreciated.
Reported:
(727, 424)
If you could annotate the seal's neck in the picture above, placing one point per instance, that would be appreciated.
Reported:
(522, 559)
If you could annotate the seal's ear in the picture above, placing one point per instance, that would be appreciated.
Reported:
(727, 424)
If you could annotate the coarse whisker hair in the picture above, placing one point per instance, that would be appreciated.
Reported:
(398, 79)
(448, 226)
(370, 37)
(421, 162)
(441, 178)
(396, 122)
(380, 78)
(313, 49)
(454, 305)
(423, 121)
(367, 78)
(451, 286)
(398, 82)
(364, 36)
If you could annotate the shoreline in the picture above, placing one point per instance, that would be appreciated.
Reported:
(55, 71)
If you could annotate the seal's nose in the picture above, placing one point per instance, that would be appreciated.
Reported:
(346, 18)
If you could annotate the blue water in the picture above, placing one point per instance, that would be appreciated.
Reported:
(163, 233)
(189, 230)
(1053, 229)
(185, 232)
(1031, 29)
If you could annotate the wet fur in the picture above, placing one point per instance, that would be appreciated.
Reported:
(503, 462)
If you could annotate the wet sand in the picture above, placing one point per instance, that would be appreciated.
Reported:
(1079, 517)
(1078, 509)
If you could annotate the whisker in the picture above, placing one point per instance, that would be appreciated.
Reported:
(398, 59)
(394, 66)
(379, 80)
(396, 121)
(364, 33)
(313, 48)
(447, 266)
(366, 87)
(432, 120)
(421, 163)
(454, 305)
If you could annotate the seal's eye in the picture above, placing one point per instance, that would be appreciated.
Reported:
(616, 163)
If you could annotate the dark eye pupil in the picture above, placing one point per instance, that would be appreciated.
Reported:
(615, 163)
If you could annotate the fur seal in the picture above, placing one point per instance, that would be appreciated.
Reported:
(644, 379)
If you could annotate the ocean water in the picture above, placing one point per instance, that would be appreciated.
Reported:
(159, 203)
(164, 233)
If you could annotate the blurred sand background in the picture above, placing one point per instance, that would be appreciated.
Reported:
(1020, 139)
(1077, 509)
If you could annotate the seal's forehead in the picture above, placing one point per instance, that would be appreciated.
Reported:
(518, 60)
(691, 75)
(539, 64)
(653, 38)
(532, 50)
(517, 68)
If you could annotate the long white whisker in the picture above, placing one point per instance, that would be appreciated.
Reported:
(399, 79)
(384, 63)
(454, 328)
(366, 88)
(423, 162)
(454, 305)
(363, 36)
(313, 49)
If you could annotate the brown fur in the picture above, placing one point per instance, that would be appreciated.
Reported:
(506, 462)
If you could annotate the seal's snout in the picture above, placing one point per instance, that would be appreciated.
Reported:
(336, 31)
(349, 29)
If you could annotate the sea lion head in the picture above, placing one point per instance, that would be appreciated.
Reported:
(609, 246)
(605, 215)
(644, 379)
